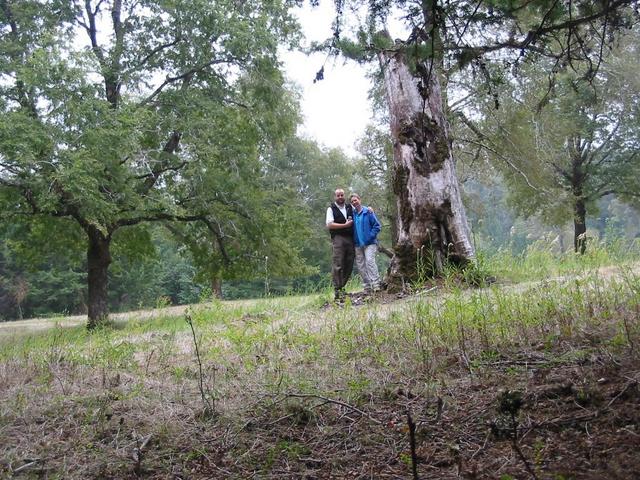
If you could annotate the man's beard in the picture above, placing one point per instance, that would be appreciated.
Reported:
(340, 202)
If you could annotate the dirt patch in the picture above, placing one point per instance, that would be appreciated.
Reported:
(566, 410)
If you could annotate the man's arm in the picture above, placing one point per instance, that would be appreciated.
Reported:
(331, 225)
(339, 226)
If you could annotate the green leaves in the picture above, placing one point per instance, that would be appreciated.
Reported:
(576, 145)
(114, 114)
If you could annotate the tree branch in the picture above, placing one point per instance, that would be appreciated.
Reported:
(170, 80)
(482, 136)
(215, 230)
(92, 31)
(25, 192)
(160, 171)
(169, 148)
(533, 35)
(155, 217)
(156, 50)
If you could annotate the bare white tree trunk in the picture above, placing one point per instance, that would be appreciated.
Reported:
(431, 223)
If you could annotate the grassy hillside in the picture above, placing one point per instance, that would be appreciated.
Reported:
(518, 380)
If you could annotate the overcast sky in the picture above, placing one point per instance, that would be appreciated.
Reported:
(336, 110)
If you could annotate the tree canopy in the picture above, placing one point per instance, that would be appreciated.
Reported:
(564, 145)
(116, 113)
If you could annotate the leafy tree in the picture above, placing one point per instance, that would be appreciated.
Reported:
(264, 239)
(617, 220)
(118, 113)
(576, 147)
(161, 272)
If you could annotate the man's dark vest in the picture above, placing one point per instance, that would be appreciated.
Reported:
(339, 218)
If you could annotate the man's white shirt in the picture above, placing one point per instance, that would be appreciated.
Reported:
(330, 218)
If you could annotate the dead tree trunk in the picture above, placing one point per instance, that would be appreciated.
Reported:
(431, 223)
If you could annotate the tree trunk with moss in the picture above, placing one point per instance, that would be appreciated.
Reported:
(431, 223)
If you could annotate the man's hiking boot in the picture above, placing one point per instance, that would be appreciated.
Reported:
(372, 290)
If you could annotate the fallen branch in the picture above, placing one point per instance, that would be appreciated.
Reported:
(630, 384)
(424, 292)
(563, 421)
(412, 444)
(336, 402)
(26, 465)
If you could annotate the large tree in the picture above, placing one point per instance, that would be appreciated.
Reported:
(571, 142)
(121, 112)
(444, 38)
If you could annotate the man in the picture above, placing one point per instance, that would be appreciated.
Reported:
(339, 221)
(365, 236)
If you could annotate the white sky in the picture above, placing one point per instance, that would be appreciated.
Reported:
(336, 110)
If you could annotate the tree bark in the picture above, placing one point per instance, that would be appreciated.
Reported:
(431, 223)
(578, 179)
(98, 260)
(561, 241)
(216, 287)
(579, 226)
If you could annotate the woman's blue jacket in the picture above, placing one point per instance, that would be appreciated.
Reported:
(366, 227)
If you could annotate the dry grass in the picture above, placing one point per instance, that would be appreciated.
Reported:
(308, 392)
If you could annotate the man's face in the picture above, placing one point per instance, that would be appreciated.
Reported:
(355, 202)
(340, 197)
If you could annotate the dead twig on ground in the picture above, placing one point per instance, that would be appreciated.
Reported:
(630, 384)
(207, 399)
(412, 444)
(336, 402)
(24, 467)
(138, 454)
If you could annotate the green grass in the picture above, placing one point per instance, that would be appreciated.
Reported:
(540, 260)
(263, 336)
(255, 353)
